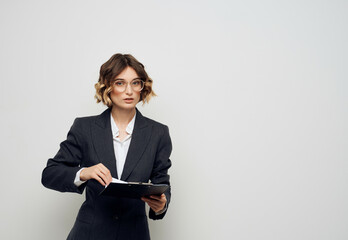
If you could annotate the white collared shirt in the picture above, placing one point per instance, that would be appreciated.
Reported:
(120, 148)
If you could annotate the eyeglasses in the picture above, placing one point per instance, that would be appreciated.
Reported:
(137, 85)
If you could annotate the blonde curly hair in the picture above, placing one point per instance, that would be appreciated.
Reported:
(112, 68)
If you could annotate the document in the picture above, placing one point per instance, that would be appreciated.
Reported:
(119, 188)
(115, 180)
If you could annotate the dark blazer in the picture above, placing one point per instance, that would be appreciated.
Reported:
(90, 142)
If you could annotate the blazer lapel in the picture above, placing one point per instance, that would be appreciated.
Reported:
(103, 141)
(140, 139)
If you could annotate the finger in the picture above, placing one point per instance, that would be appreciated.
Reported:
(103, 169)
(161, 199)
(105, 179)
(106, 172)
(149, 201)
(99, 179)
(154, 203)
(109, 177)
(145, 199)
(108, 180)
(156, 197)
(106, 176)
(153, 198)
(157, 208)
(100, 174)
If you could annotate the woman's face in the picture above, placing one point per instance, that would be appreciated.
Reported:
(129, 98)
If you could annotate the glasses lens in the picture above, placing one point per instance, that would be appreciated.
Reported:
(120, 86)
(137, 85)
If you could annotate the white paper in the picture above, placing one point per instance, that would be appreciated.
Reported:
(115, 180)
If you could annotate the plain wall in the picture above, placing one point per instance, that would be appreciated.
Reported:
(254, 94)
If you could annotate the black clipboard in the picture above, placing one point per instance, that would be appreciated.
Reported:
(133, 189)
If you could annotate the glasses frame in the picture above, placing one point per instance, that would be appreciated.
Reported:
(128, 83)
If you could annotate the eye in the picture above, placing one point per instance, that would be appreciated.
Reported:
(119, 83)
(136, 83)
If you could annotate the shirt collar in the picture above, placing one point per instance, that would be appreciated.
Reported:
(115, 130)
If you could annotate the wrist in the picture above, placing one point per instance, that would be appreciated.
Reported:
(82, 175)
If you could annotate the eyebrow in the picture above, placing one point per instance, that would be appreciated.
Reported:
(122, 79)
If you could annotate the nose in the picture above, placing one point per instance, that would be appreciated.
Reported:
(129, 90)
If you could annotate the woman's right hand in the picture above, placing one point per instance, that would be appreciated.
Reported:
(98, 172)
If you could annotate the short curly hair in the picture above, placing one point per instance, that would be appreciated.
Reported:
(112, 68)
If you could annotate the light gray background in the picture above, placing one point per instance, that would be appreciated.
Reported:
(254, 94)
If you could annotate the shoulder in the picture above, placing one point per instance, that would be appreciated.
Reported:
(157, 127)
(154, 123)
(160, 131)
(85, 120)
(83, 124)
(100, 119)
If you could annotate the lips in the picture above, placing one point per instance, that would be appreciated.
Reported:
(128, 100)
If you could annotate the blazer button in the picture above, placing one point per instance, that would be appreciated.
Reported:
(116, 217)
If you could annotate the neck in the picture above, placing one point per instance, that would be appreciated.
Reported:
(122, 116)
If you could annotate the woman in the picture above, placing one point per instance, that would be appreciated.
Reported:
(119, 143)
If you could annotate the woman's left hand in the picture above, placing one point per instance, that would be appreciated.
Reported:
(156, 203)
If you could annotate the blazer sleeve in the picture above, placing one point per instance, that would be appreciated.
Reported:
(160, 169)
(60, 172)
